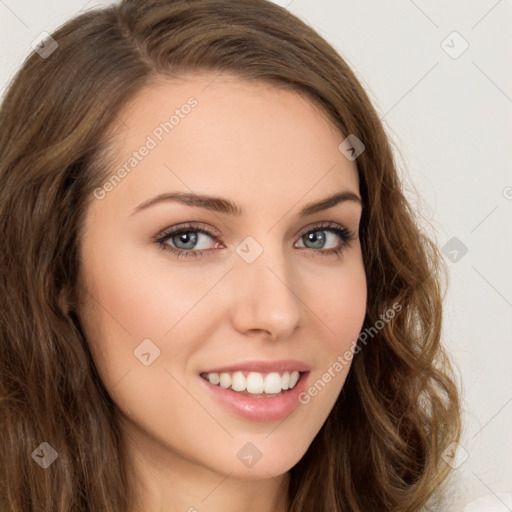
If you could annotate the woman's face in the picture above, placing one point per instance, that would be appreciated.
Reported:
(257, 294)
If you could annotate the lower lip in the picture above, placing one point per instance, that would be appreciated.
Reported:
(259, 409)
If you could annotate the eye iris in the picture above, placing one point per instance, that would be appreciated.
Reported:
(187, 237)
(316, 239)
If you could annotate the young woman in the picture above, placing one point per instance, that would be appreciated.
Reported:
(215, 295)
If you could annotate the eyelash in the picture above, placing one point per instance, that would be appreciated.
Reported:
(346, 237)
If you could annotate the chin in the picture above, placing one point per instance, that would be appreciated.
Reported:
(259, 461)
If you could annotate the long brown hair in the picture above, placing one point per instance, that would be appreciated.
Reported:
(380, 448)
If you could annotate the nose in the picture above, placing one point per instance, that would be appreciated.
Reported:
(265, 296)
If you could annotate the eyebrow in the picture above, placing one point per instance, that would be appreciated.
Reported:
(226, 206)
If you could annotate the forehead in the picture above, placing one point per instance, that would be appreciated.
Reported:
(220, 134)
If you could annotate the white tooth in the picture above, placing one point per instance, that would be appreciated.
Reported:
(254, 383)
(285, 380)
(214, 378)
(273, 383)
(225, 380)
(294, 377)
(238, 382)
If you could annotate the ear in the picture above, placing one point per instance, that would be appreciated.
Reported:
(65, 302)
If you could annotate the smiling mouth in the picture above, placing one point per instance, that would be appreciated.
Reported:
(255, 384)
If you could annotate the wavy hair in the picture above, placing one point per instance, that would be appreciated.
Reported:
(381, 446)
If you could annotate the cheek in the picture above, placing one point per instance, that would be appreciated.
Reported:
(343, 309)
(144, 295)
(135, 316)
(343, 305)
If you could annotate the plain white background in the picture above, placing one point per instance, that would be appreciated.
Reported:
(448, 110)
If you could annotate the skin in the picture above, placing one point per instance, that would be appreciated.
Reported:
(271, 151)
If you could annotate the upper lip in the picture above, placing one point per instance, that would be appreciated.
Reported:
(281, 365)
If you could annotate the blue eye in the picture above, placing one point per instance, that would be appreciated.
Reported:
(185, 238)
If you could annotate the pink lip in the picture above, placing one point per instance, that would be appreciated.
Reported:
(259, 409)
(263, 366)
